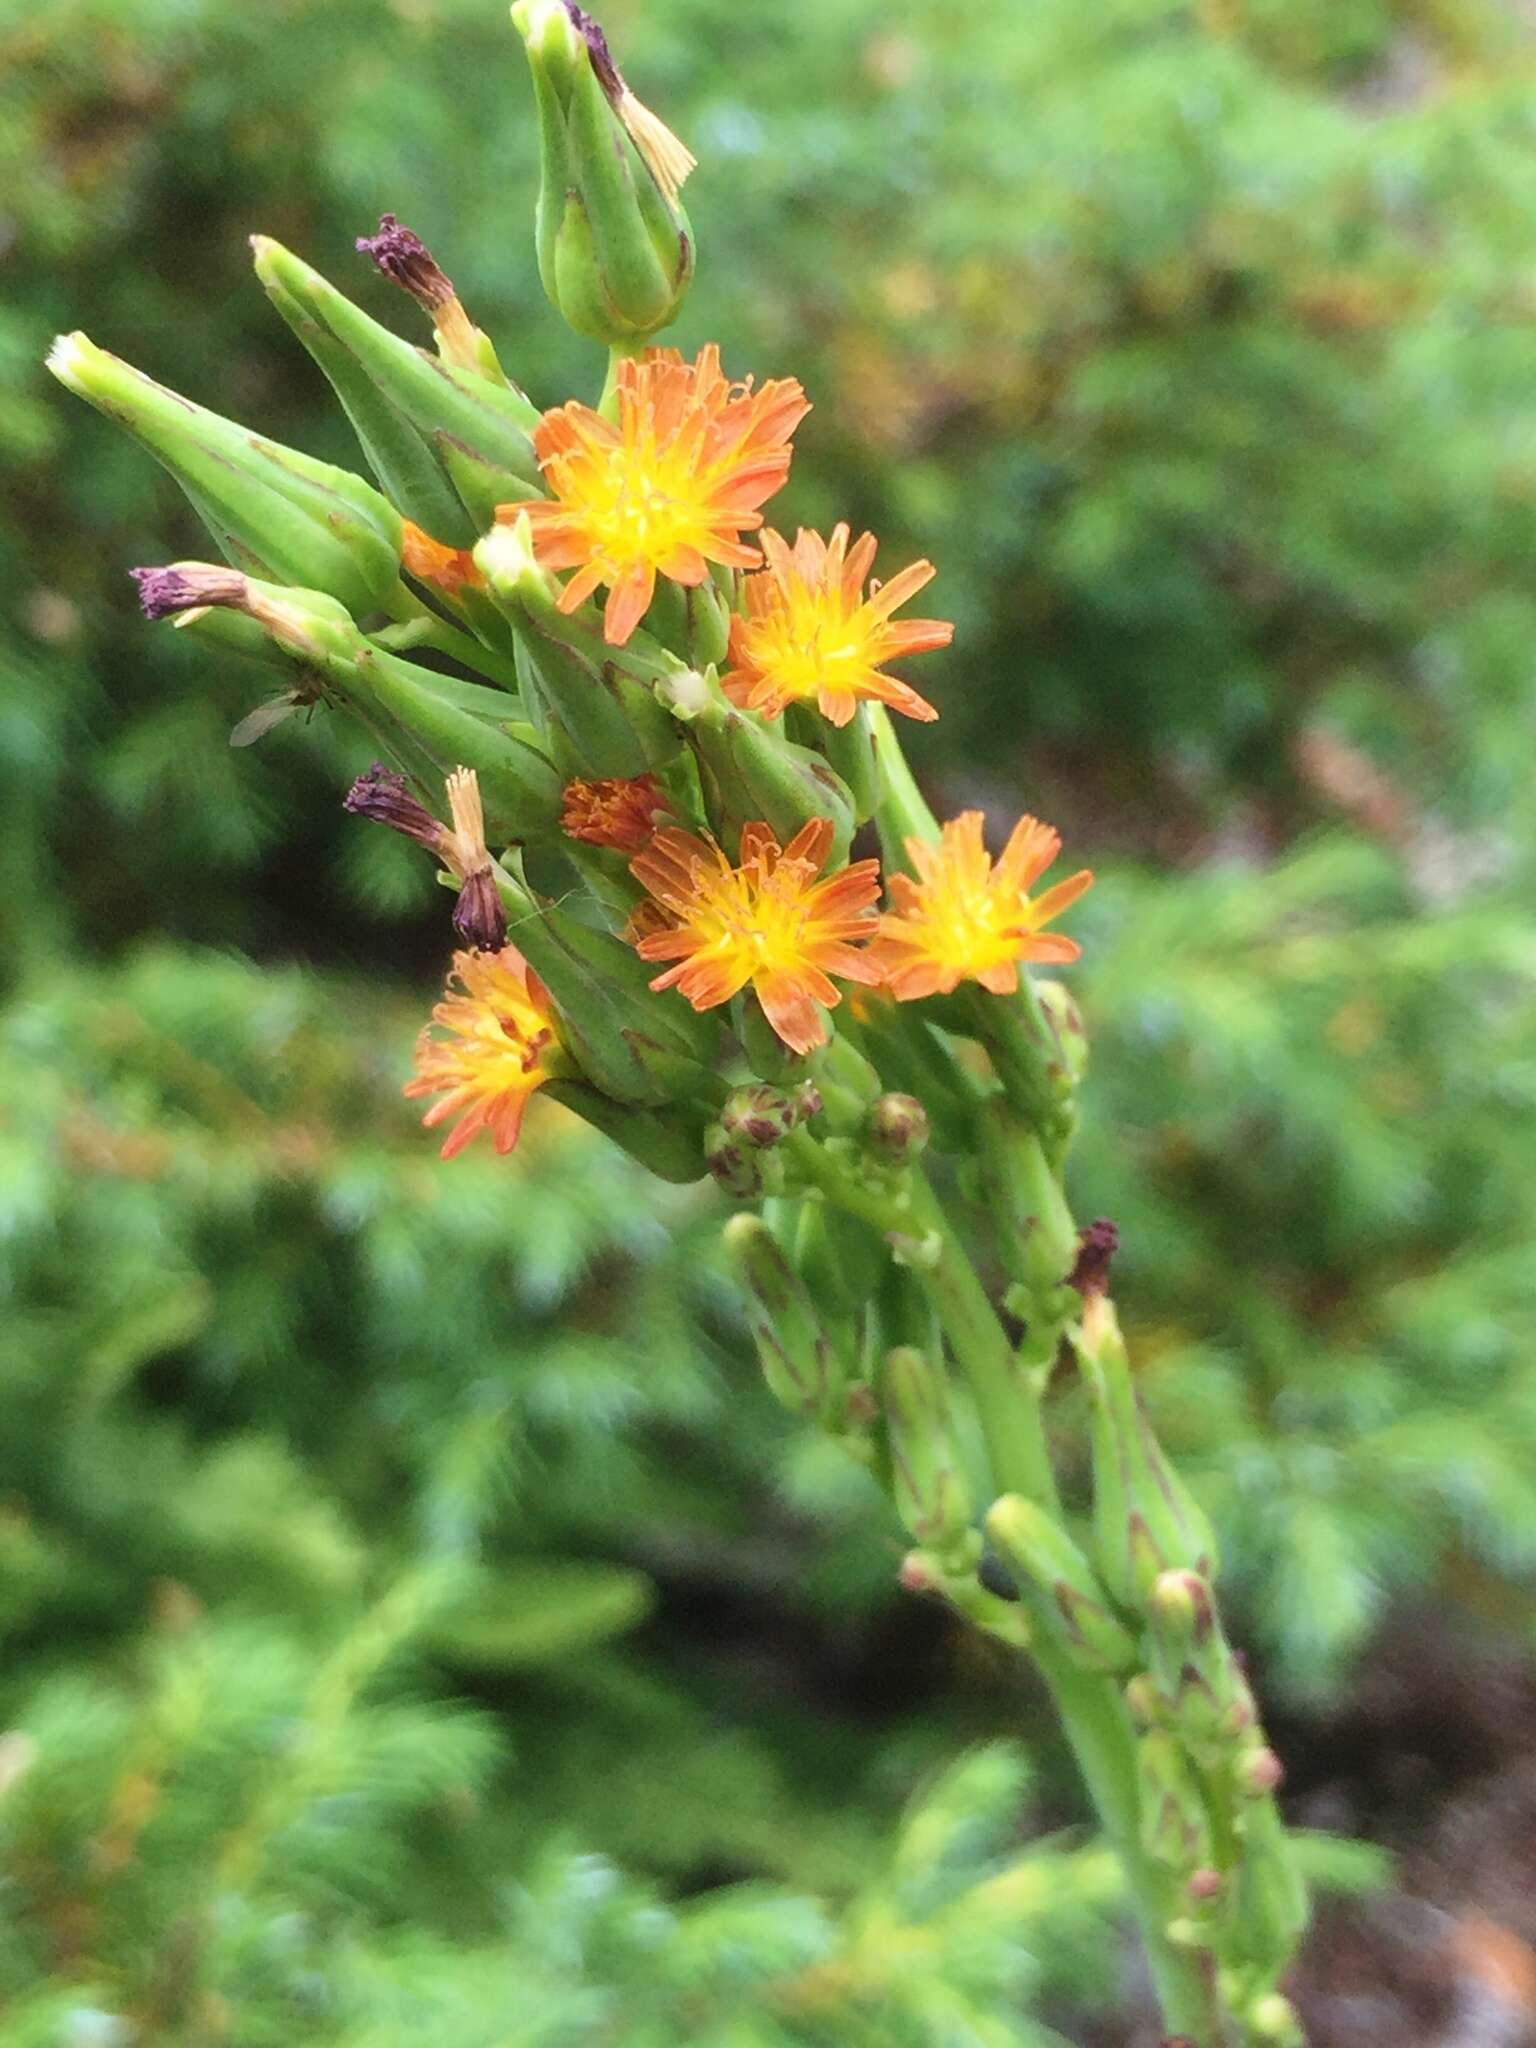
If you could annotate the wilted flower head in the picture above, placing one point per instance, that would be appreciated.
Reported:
(619, 811)
(500, 1046)
(768, 923)
(810, 635)
(965, 919)
(666, 490)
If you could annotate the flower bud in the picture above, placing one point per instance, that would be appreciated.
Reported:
(751, 771)
(1175, 1826)
(446, 443)
(1040, 1550)
(1067, 1024)
(762, 1115)
(1193, 1667)
(839, 1258)
(614, 245)
(792, 1341)
(1273, 2018)
(628, 1041)
(897, 1128)
(608, 716)
(281, 515)
(933, 1496)
(1146, 1521)
(668, 1142)
(1037, 1234)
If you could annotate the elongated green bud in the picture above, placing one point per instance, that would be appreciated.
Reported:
(1066, 1022)
(629, 1042)
(792, 1342)
(447, 445)
(615, 248)
(424, 721)
(1175, 1826)
(612, 724)
(1036, 1234)
(280, 515)
(850, 750)
(840, 1259)
(518, 784)
(1270, 1910)
(668, 1142)
(1206, 1697)
(751, 772)
(1040, 1550)
(1146, 1521)
(933, 1496)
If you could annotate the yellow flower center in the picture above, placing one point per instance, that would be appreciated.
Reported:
(754, 926)
(637, 502)
(811, 642)
(969, 923)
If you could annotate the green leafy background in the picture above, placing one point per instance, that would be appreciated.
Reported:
(419, 1626)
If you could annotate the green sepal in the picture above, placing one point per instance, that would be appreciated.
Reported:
(1038, 1549)
(1175, 1825)
(615, 256)
(273, 512)
(851, 753)
(1145, 1519)
(519, 787)
(841, 1260)
(668, 1143)
(794, 1345)
(932, 1493)
(447, 445)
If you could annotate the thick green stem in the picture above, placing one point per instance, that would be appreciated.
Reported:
(1103, 1742)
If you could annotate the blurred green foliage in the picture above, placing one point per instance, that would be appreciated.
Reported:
(386, 1545)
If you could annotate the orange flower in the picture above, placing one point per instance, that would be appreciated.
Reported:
(965, 920)
(431, 561)
(620, 811)
(667, 490)
(502, 1047)
(769, 923)
(811, 633)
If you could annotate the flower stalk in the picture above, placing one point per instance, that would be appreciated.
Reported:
(658, 698)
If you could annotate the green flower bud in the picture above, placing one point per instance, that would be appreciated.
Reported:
(1066, 1022)
(751, 772)
(631, 1043)
(1038, 1238)
(840, 1259)
(280, 515)
(850, 751)
(1040, 1550)
(1273, 2018)
(667, 1142)
(792, 1341)
(897, 1128)
(1209, 1701)
(933, 1496)
(1269, 1907)
(1175, 1826)
(607, 713)
(1146, 1521)
(446, 444)
(762, 1115)
(615, 248)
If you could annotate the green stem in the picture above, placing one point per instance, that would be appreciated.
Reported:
(1009, 1408)
(1103, 1742)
